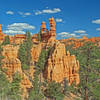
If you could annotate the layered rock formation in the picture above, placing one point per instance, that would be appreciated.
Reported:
(35, 52)
(46, 35)
(49, 36)
(11, 65)
(80, 42)
(10, 51)
(2, 36)
(61, 65)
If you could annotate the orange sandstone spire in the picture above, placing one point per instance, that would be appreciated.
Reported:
(43, 27)
(52, 24)
(0, 28)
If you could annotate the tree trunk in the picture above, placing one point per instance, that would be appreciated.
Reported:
(86, 94)
(86, 90)
(40, 82)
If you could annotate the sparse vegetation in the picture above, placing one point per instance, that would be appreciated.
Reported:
(39, 36)
(15, 89)
(54, 91)
(24, 53)
(6, 40)
(89, 56)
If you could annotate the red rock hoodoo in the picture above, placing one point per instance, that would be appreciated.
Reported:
(61, 65)
(12, 65)
(2, 36)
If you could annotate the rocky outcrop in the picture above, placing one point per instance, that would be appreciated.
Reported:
(35, 52)
(10, 51)
(11, 65)
(48, 35)
(61, 65)
(2, 36)
(76, 43)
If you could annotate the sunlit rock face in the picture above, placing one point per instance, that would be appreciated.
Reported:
(35, 52)
(61, 65)
(2, 35)
(11, 64)
(76, 43)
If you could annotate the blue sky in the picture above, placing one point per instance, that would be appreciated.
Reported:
(74, 18)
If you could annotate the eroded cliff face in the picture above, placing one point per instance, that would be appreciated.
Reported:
(61, 65)
(11, 65)
(76, 43)
(35, 52)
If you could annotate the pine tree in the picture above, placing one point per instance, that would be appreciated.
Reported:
(54, 91)
(22, 56)
(15, 89)
(39, 36)
(1, 57)
(42, 60)
(4, 86)
(24, 53)
(6, 40)
(89, 58)
(35, 93)
(4, 83)
(28, 47)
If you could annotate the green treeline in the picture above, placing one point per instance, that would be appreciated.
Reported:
(24, 53)
(89, 59)
(88, 89)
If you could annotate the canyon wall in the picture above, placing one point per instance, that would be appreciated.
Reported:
(76, 43)
(61, 65)
(11, 64)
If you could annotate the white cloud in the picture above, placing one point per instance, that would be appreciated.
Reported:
(10, 12)
(38, 12)
(97, 21)
(27, 14)
(55, 10)
(47, 7)
(13, 32)
(59, 20)
(24, 14)
(98, 29)
(48, 11)
(68, 35)
(18, 28)
(80, 31)
(63, 33)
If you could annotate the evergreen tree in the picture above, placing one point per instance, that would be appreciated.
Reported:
(22, 56)
(42, 60)
(15, 89)
(1, 57)
(4, 86)
(66, 87)
(35, 93)
(54, 91)
(24, 53)
(6, 40)
(28, 47)
(89, 58)
(39, 36)
(4, 83)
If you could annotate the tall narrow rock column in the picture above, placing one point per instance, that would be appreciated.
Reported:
(0, 28)
(61, 65)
